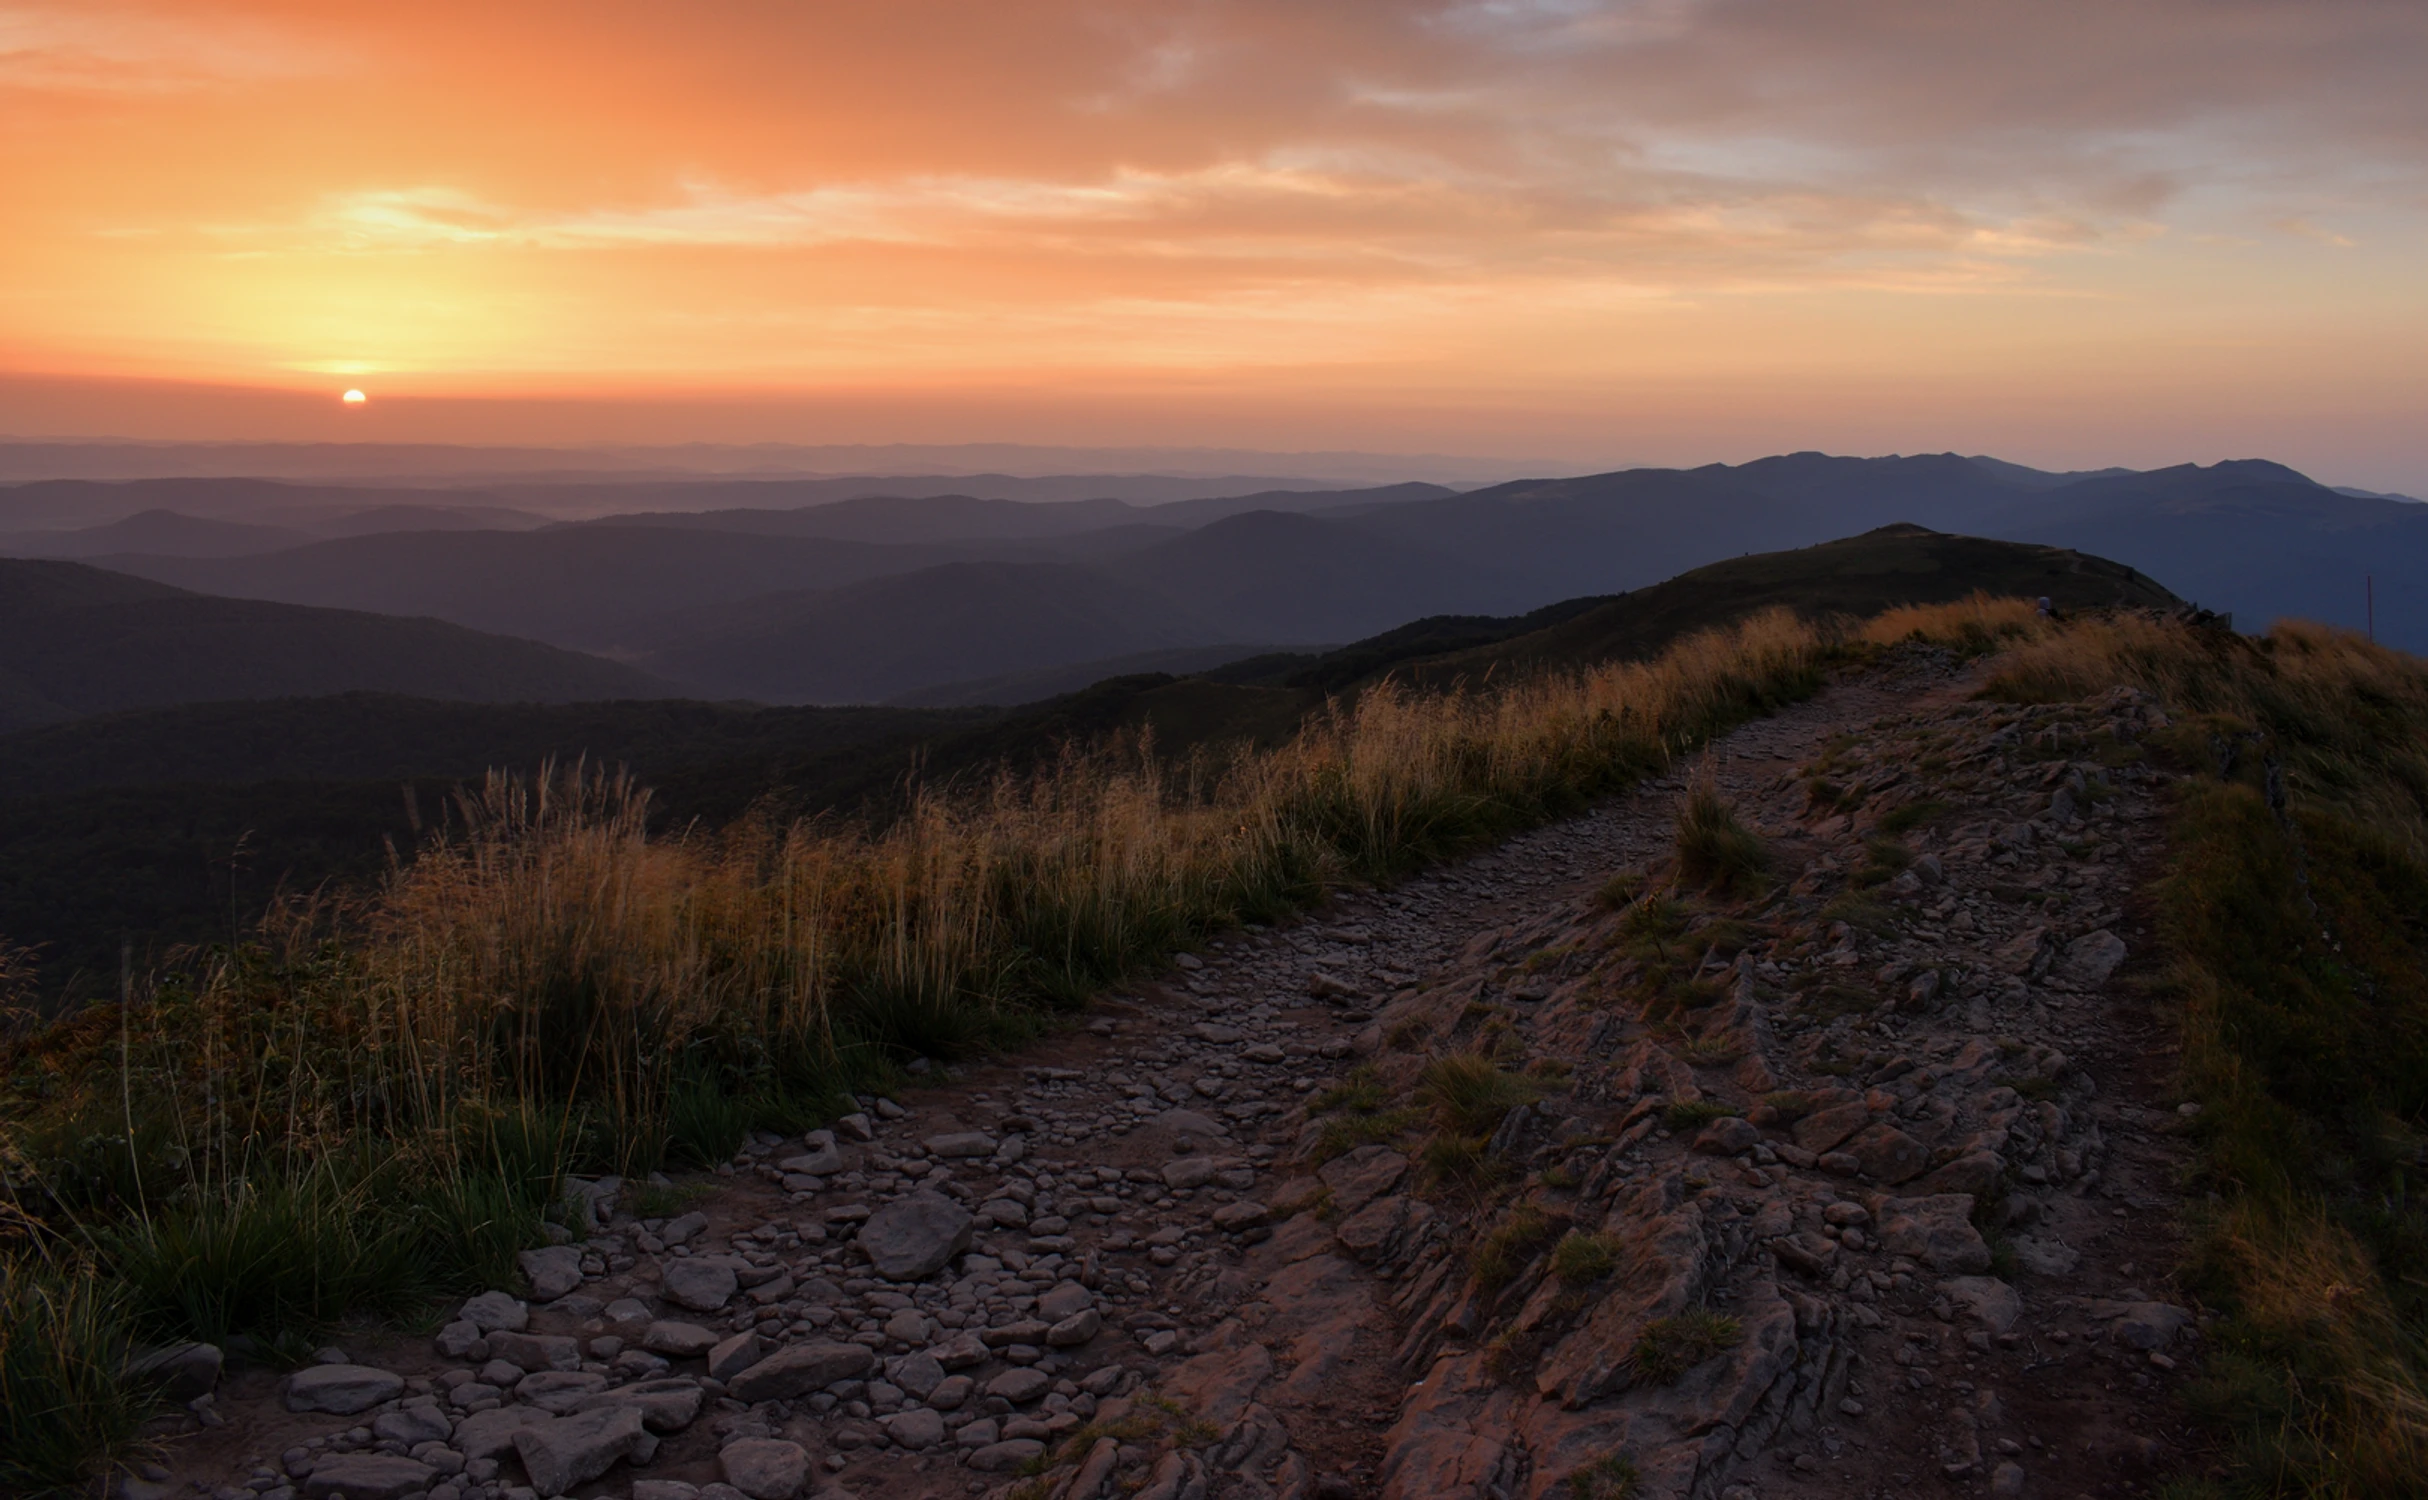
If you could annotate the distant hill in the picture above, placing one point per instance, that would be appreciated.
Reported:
(1859, 575)
(1015, 688)
(166, 532)
(875, 639)
(77, 640)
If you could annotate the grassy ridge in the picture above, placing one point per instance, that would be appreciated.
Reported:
(373, 1103)
(2296, 913)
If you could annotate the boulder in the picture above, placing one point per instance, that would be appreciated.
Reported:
(2148, 1325)
(1188, 1172)
(1011, 1453)
(413, 1425)
(1076, 1329)
(735, 1355)
(562, 1452)
(915, 1236)
(1976, 1174)
(1992, 1302)
(552, 1271)
(341, 1389)
(1066, 1298)
(798, 1370)
(490, 1434)
(765, 1468)
(1822, 1130)
(1020, 1385)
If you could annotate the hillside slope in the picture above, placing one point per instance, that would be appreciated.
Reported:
(77, 640)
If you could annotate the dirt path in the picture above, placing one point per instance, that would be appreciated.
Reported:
(1867, 1191)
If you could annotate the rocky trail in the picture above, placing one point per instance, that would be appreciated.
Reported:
(1858, 1184)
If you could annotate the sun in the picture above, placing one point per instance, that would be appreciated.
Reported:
(354, 398)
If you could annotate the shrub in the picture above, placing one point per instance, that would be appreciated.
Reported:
(65, 1412)
(1669, 1347)
(1610, 1477)
(1691, 1114)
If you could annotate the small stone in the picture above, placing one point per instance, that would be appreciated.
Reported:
(367, 1476)
(1728, 1136)
(1076, 1329)
(1235, 1218)
(181, 1372)
(684, 1230)
(461, 1340)
(2006, 1481)
(1066, 1298)
(734, 1355)
(2089, 960)
(558, 1392)
(341, 1389)
(1008, 1454)
(963, 1145)
(765, 1468)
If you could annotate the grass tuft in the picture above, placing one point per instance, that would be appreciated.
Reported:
(1715, 851)
(1469, 1093)
(1580, 1259)
(1669, 1347)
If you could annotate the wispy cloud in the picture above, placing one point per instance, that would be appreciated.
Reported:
(95, 48)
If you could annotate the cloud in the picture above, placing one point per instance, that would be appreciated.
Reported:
(99, 49)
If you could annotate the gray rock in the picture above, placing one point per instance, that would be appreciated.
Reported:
(1008, 1454)
(951, 1393)
(735, 1355)
(826, 1161)
(703, 1283)
(1247, 1213)
(915, 1236)
(856, 1127)
(799, 1369)
(2046, 1255)
(180, 1372)
(559, 1454)
(558, 1392)
(411, 1425)
(552, 1271)
(1188, 1172)
(490, 1434)
(1076, 1329)
(684, 1230)
(536, 1351)
(1937, 1231)
(918, 1374)
(1065, 1299)
(367, 1476)
(678, 1340)
(1728, 1136)
(915, 1429)
(341, 1389)
(2091, 958)
(765, 1468)
(669, 1403)
(664, 1489)
(1019, 1386)
(462, 1340)
(2149, 1325)
(1992, 1302)
(494, 1312)
(962, 1145)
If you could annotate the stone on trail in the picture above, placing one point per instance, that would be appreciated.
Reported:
(667, 1404)
(1937, 1231)
(561, 1453)
(536, 1351)
(918, 1374)
(2148, 1325)
(1247, 1213)
(765, 1468)
(1888, 1154)
(799, 1370)
(1019, 1385)
(678, 1340)
(1361, 1176)
(461, 1340)
(1728, 1136)
(1065, 1299)
(915, 1236)
(917, 1428)
(1076, 1329)
(558, 1391)
(1011, 1453)
(490, 1434)
(684, 1230)
(552, 1271)
(2091, 958)
(411, 1425)
(341, 1389)
(1977, 1174)
(960, 1145)
(367, 1476)
(499, 1312)
(735, 1355)
(704, 1283)
(1188, 1172)
(179, 1372)
(1992, 1302)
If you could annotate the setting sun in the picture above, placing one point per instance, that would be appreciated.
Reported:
(354, 398)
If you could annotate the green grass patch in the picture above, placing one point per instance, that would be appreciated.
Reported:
(1715, 851)
(1510, 1245)
(1469, 1093)
(1581, 1258)
(1613, 1476)
(1693, 1114)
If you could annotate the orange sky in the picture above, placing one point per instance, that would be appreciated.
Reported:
(1655, 230)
